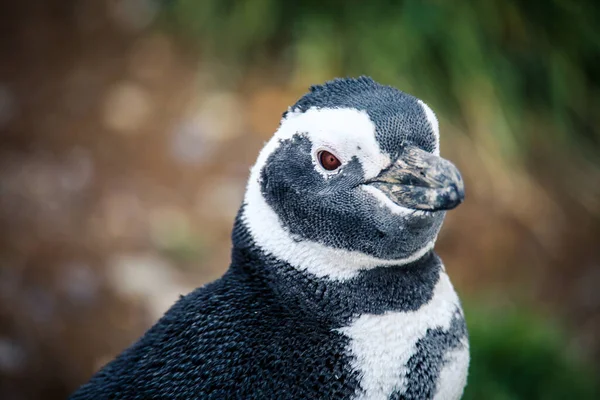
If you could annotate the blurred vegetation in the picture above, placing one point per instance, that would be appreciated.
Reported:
(519, 355)
(116, 117)
(515, 62)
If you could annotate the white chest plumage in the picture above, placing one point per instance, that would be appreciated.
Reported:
(381, 346)
(453, 377)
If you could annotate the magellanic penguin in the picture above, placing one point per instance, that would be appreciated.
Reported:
(334, 290)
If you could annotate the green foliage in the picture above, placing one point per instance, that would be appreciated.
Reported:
(506, 62)
(517, 355)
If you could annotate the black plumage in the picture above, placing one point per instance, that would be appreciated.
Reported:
(265, 330)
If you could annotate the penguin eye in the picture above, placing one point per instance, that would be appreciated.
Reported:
(329, 161)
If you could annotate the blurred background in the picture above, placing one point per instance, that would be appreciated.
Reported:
(127, 129)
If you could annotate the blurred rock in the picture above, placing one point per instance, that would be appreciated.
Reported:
(80, 284)
(44, 191)
(77, 170)
(126, 107)
(222, 114)
(40, 304)
(122, 216)
(12, 356)
(190, 143)
(148, 277)
(220, 199)
(169, 226)
(211, 121)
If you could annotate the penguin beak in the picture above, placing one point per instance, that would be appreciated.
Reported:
(421, 181)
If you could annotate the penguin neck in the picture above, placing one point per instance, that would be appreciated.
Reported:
(377, 290)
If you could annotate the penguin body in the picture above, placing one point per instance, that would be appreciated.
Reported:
(333, 290)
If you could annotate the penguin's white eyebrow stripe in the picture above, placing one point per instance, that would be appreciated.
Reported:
(435, 126)
(340, 130)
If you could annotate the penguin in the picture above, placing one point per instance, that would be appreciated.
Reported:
(334, 290)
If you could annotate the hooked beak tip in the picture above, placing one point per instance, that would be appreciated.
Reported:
(456, 196)
(423, 181)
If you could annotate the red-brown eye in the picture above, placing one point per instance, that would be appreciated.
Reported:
(329, 161)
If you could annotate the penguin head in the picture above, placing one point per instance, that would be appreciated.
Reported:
(351, 180)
